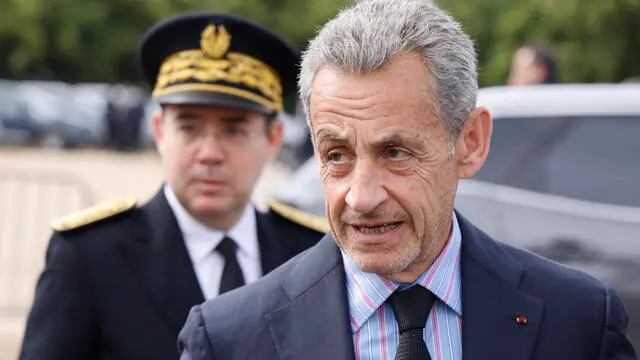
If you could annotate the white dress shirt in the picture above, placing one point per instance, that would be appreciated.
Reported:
(201, 242)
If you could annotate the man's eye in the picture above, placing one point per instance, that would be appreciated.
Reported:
(235, 130)
(397, 153)
(335, 157)
(188, 128)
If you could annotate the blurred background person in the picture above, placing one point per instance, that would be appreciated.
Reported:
(125, 113)
(533, 64)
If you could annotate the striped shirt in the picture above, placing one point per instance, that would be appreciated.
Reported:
(374, 328)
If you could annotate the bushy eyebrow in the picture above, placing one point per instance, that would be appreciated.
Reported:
(331, 136)
(384, 141)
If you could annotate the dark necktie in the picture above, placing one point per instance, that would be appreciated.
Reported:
(411, 309)
(232, 274)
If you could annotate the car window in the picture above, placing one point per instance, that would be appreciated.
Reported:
(517, 145)
(599, 160)
(594, 159)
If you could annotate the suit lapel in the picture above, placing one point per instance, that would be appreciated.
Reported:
(160, 262)
(491, 301)
(315, 324)
(272, 248)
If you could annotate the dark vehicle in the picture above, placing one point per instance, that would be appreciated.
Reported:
(562, 179)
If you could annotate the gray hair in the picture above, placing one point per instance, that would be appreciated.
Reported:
(366, 36)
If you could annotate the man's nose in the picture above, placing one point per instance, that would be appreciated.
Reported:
(212, 149)
(366, 190)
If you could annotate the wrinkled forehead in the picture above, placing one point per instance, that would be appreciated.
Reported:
(402, 88)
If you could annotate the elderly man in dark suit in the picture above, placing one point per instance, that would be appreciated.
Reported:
(120, 279)
(390, 88)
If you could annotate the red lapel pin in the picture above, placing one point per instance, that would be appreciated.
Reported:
(521, 320)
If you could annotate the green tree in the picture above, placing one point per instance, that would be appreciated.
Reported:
(95, 40)
(595, 41)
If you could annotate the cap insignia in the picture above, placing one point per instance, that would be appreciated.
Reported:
(215, 41)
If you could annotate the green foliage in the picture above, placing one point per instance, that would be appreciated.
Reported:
(95, 40)
(595, 41)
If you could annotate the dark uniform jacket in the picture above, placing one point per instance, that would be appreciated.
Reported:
(118, 281)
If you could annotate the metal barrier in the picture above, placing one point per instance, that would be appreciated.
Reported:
(28, 201)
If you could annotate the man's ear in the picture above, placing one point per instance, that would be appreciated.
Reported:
(158, 128)
(275, 136)
(472, 147)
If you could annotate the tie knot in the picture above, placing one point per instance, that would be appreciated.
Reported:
(411, 307)
(227, 247)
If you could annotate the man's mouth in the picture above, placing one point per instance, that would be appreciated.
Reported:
(211, 181)
(377, 229)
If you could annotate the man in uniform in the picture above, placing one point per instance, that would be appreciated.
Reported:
(119, 278)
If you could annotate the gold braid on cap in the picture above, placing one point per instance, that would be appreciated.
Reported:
(212, 63)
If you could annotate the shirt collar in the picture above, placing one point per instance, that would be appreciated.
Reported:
(201, 240)
(368, 291)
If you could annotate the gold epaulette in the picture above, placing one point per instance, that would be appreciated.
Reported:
(317, 223)
(92, 214)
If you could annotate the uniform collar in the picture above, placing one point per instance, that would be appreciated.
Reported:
(201, 240)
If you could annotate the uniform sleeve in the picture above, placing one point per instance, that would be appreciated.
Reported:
(193, 340)
(60, 324)
(615, 343)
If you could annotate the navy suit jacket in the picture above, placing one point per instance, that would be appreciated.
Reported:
(300, 311)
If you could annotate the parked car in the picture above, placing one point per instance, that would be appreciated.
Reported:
(85, 120)
(63, 115)
(562, 179)
(18, 127)
(146, 137)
